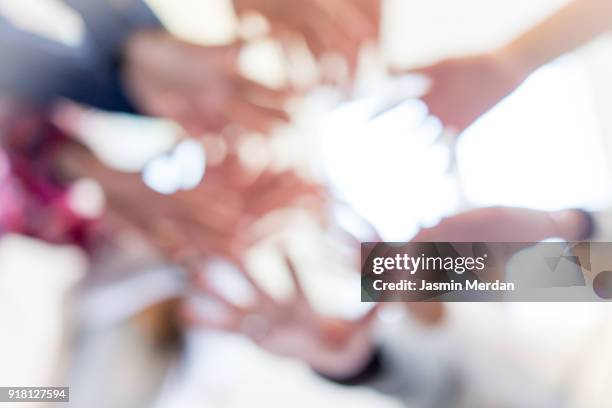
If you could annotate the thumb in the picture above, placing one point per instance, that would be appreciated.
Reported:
(224, 57)
(423, 70)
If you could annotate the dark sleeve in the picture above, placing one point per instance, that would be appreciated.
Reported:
(109, 22)
(413, 375)
(41, 70)
(372, 370)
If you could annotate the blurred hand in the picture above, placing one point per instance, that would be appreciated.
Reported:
(198, 87)
(463, 89)
(519, 227)
(505, 224)
(498, 224)
(327, 26)
(215, 218)
(291, 327)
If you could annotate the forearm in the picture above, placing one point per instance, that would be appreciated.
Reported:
(567, 29)
(507, 224)
(75, 161)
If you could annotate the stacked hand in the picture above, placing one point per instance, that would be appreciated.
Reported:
(290, 327)
(506, 224)
(198, 87)
(463, 89)
(327, 26)
(214, 218)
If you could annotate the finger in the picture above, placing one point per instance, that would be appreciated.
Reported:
(257, 118)
(428, 71)
(264, 96)
(370, 317)
(205, 286)
(356, 27)
(192, 318)
(339, 37)
(223, 58)
(231, 246)
(298, 289)
(283, 196)
(215, 220)
(352, 19)
(265, 180)
(314, 43)
(212, 203)
(372, 9)
(262, 296)
(285, 182)
(264, 191)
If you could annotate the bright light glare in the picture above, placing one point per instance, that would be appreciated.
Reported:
(540, 148)
(183, 169)
(388, 169)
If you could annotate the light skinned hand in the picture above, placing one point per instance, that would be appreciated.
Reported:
(198, 87)
(290, 327)
(497, 224)
(327, 26)
(214, 218)
(506, 224)
(463, 89)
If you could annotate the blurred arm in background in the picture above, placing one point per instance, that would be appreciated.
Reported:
(216, 218)
(129, 63)
(40, 164)
(42, 70)
(462, 89)
(350, 352)
(328, 27)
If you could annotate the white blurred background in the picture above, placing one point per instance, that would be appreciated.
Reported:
(547, 146)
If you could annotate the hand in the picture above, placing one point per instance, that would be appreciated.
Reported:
(518, 227)
(198, 87)
(327, 26)
(498, 224)
(463, 89)
(505, 224)
(215, 218)
(291, 328)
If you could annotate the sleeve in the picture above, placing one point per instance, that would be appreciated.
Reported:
(415, 377)
(109, 22)
(601, 226)
(41, 70)
(34, 199)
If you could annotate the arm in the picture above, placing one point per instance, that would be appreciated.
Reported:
(110, 23)
(333, 26)
(129, 63)
(199, 87)
(349, 351)
(41, 71)
(462, 89)
(569, 28)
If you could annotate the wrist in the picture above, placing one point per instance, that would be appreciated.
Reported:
(368, 371)
(514, 62)
(573, 225)
(341, 359)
